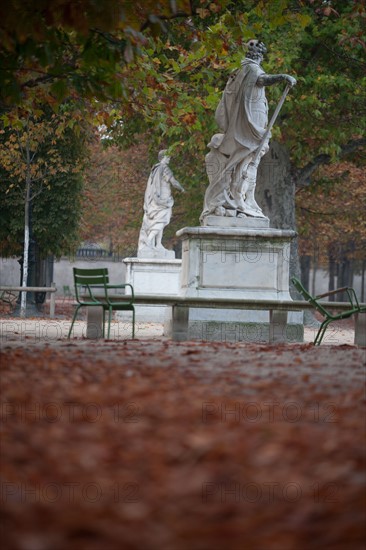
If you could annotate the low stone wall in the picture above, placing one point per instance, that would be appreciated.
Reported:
(62, 271)
(10, 273)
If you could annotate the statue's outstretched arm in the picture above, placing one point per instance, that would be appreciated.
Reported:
(270, 79)
(175, 183)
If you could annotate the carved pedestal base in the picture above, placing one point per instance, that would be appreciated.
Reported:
(156, 253)
(240, 263)
(152, 276)
(224, 221)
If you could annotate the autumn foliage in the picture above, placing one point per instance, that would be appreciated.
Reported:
(331, 213)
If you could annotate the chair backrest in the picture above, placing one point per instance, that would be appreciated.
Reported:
(85, 278)
(308, 297)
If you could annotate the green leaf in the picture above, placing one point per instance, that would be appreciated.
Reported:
(60, 89)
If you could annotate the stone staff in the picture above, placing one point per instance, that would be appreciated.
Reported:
(248, 182)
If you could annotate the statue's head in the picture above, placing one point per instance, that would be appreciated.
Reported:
(163, 155)
(256, 50)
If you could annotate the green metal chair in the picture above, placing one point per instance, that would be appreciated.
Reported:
(92, 289)
(321, 307)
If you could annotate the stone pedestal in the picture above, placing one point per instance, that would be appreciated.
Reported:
(236, 262)
(153, 276)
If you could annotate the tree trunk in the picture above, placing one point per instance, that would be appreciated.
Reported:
(332, 265)
(305, 264)
(275, 193)
(313, 279)
(345, 274)
(23, 299)
(43, 276)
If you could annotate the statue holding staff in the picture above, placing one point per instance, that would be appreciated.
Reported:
(242, 116)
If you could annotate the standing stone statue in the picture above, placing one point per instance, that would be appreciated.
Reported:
(158, 204)
(242, 115)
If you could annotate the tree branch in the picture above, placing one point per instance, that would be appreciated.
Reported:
(352, 146)
(175, 14)
(302, 178)
(303, 175)
(35, 81)
(36, 193)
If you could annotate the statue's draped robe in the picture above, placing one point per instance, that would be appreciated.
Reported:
(242, 115)
(158, 203)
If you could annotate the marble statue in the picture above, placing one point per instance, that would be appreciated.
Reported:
(158, 204)
(242, 116)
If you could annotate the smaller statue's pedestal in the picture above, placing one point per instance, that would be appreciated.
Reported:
(236, 263)
(153, 276)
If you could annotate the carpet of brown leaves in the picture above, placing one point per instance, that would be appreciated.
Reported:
(174, 446)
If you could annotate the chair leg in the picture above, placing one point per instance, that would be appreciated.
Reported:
(73, 320)
(133, 323)
(109, 322)
(103, 333)
(321, 332)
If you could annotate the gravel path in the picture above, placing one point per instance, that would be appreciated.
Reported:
(15, 331)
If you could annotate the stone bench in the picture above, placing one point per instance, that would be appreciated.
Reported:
(178, 327)
(51, 289)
